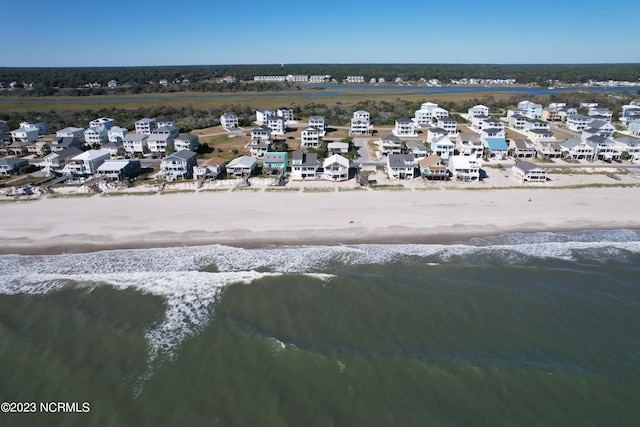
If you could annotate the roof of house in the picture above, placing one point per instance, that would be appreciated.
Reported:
(628, 140)
(496, 143)
(461, 162)
(436, 129)
(229, 116)
(70, 130)
(67, 153)
(401, 160)
(416, 144)
(183, 155)
(113, 165)
(336, 158)
(214, 162)
(570, 143)
(305, 159)
(135, 137)
(118, 129)
(92, 155)
(338, 145)
(262, 128)
(390, 138)
(146, 120)
(13, 162)
(242, 162)
(274, 157)
(187, 137)
(404, 120)
(541, 131)
(522, 144)
(430, 160)
(527, 166)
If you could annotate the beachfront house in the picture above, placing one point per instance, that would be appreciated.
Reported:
(577, 149)
(464, 168)
(522, 148)
(146, 126)
(211, 168)
(431, 167)
(275, 163)
(495, 143)
(335, 168)
(404, 127)
(304, 166)
(469, 144)
(186, 141)
(135, 143)
(86, 163)
(311, 137)
(319, 123)
(401, 166)
(55, 162)
(528, 172)
(9, 166)
(119, 170)
(116, 134)
(178, 165)
(229, 121)
(242, 166)
(389, 144)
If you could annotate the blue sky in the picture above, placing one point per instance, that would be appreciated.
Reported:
(72, 33)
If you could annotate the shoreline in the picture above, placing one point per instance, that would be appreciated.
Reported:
(252, 220)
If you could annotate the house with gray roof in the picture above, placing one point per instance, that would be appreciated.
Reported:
(178, 165)
(9, 166)
(55, 162)
(146, 126)
(275, 163)
(186, 141)
(242, 166)
(631, 146)
(577, 149)
(522, 147)
(528, 172)
(390, 144)
(304, 166)
(135, 143)
(401, 166)
(119, 170)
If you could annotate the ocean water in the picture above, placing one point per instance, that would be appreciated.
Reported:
(517, 330)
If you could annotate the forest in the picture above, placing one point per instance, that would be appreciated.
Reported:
(132, 80)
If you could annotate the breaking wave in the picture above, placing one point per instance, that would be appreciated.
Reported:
(191, 279)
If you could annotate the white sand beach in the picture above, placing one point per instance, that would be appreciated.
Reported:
(258, 218)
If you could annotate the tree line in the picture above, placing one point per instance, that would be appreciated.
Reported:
(72, 81)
